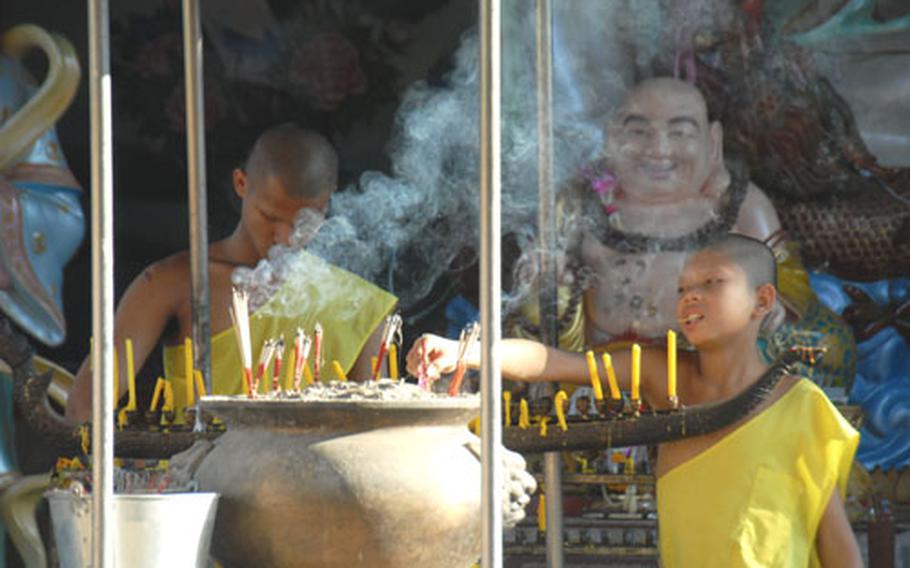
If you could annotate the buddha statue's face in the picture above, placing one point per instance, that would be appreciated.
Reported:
(661, 146)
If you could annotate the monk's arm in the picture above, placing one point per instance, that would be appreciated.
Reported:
(142, 314)
(836, 543)
(527, 360)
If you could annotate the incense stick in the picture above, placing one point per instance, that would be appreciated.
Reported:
(317, 351)
(468, 337)
(391, 328)
(240, 318)
(279, 355)
(265, 357)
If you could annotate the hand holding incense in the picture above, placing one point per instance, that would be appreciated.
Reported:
(317, 351)
(468, 337)
(240, 318)
(279, 354)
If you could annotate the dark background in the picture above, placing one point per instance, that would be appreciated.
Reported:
(368, 52)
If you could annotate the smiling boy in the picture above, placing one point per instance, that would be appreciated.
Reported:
(765, 491)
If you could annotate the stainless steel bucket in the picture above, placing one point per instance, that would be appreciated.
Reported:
(156, 530)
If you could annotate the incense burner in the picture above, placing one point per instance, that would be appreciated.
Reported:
(332, 483)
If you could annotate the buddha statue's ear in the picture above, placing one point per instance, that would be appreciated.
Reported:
(716, 136)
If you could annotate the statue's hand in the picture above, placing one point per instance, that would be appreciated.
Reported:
(518, 484)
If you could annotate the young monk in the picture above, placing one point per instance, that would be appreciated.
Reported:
(765, 491)
(288, 169)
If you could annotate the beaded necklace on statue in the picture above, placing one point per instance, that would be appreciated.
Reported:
(629, 242)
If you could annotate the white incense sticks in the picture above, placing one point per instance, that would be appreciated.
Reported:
(240, 317)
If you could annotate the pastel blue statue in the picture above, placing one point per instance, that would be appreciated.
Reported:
(41, 226)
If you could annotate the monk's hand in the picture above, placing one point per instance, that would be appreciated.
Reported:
(431, 356)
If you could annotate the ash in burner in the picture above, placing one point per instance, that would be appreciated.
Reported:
(381, 390)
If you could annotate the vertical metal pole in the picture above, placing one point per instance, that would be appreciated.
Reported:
(102, 286)
(549, 331)
(490, 285)
(195, 154)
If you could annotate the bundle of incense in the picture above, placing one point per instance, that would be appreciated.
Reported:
(422, 381)
(279, 354)
(240, 318)
(317, 351)
(302, 343)
(468, 337)
(265, 357)
(391, 329)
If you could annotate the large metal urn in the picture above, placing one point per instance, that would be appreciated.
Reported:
(345, 483)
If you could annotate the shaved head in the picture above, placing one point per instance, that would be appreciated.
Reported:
(753, 256)
(302, 159)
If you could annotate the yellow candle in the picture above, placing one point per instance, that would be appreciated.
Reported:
(543, 426)
(130, 376)
(188, 370)
(393, 361)
(159, 389)
(168, 396)
(374, 360)
(116, 378)
(611, 377)
(595, 376)
(524, 415)
(200, 384)
(559, 401)
(307, 374)
(339, 371)
(671, 364)
(542, 513)
(636, 371)
(507, 407)
(289, 373)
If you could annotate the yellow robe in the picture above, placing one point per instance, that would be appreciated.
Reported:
(348, 308)
(756, 497)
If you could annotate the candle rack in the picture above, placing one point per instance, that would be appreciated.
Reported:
(618, 427)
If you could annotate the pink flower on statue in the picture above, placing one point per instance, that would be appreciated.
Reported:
(328, 70)
(604, 183)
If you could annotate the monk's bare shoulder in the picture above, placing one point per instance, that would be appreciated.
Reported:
(167, 271)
